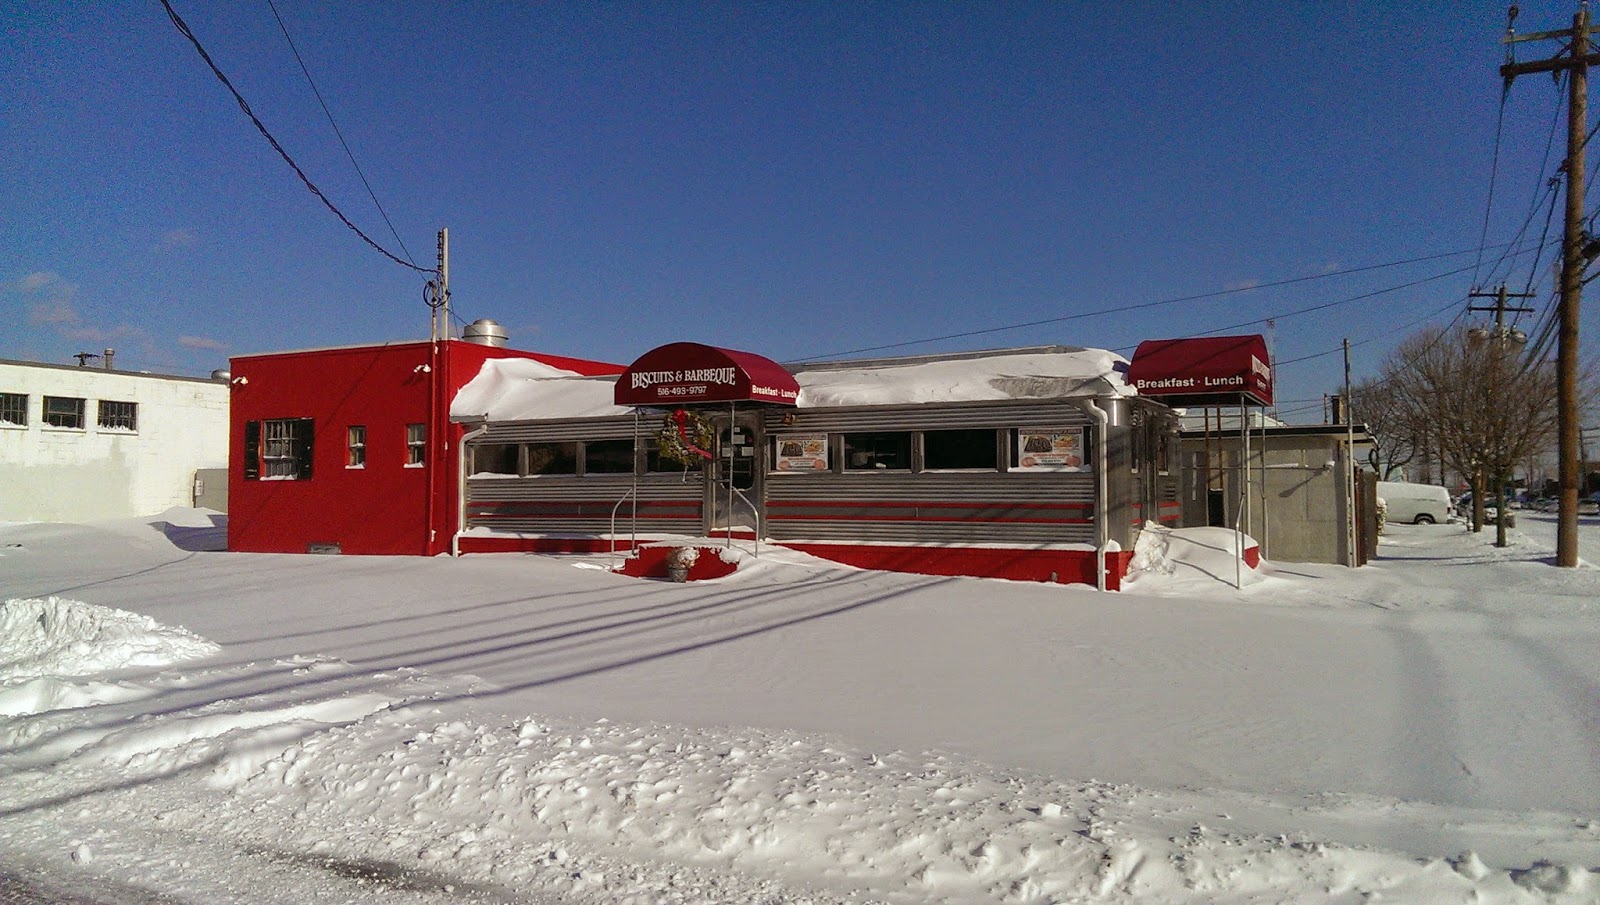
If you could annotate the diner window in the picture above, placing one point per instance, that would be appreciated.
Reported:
(655, 462)
(278, 450)
(13, 410)
(63, 411)
(416, 445)
(355, 442)
(885, 451)
(960, 450)
(553, 458)
(119, 416)
(496, 458)
(608, 457)
(1163, 452)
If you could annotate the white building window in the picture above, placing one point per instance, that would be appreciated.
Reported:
(13, 410)
(356, 446)
(416, 444)
(63, 411)
(119, 416)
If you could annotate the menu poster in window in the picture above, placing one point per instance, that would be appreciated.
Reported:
(1050, 449)
(802, 452)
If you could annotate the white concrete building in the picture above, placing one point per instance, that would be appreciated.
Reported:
(83, 443)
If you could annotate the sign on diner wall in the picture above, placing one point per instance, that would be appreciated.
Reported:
(1050, 449)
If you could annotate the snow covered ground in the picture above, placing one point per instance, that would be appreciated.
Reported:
(184, 725)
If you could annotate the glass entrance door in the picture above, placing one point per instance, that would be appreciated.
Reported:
(735, 490)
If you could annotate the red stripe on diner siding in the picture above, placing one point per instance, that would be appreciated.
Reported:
(597, 518)
(887, 504)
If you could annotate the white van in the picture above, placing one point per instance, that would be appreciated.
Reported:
(1418, 504)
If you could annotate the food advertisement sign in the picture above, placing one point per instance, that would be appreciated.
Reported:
(801, 453)
(1050, 449)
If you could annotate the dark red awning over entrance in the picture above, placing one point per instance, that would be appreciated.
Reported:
(1207, 370)
(685, 373)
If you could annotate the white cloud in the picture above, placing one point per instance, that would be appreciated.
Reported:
(179, 238)
(202, 342)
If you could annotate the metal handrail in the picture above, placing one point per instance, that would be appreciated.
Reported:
(633, 537)
(753, 511)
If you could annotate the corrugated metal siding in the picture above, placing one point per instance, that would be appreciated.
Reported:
(568, 429)
(932, 507)
(552, 504)
(928, 417)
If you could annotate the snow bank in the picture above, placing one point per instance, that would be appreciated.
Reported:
(60, 637)
(1177, 560)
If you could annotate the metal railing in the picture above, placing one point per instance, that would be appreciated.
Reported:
(633, 528)
(753, 511)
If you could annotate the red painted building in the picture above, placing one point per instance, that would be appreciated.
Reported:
(351, 449)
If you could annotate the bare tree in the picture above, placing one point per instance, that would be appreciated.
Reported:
(1486, 406)
(1396, 435)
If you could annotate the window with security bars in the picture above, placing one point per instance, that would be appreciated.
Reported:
(63, 411)
(416, 444)
(13, 410)
(119, 416)
(278, 450)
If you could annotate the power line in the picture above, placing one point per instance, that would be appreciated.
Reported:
(183, 29)
(1172, 301)
(342, 143)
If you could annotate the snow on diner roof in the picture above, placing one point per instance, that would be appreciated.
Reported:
(522, 390)
(1042, 372)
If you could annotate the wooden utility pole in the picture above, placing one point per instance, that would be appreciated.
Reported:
(1575, 61)
(1498, 342)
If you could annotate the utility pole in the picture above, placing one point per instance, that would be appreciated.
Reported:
(1493, 459)
(1575, 61)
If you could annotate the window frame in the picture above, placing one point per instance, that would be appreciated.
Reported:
(566, 451)
(131, 416)
(994, 451)
(416, 445)
(46, 415)
(295, 444)
(355, 446)
(845, 450)
(583, 460)
(9, 403)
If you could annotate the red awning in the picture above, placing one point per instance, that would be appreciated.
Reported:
(1207, 370)
(684, 373)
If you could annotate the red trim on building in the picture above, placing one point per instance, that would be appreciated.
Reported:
(1057, 566)
(1207, 370)
(685, 373)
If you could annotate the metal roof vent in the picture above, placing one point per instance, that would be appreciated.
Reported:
(222, 374)
(484, 332)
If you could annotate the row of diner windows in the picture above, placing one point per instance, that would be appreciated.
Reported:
(1057, 449)
(280, 449)
(69, 412)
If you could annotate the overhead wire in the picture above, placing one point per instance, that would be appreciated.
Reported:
(1120, 309)
(338, 132)
(183, 29)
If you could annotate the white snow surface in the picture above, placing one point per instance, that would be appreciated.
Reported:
(509, 728)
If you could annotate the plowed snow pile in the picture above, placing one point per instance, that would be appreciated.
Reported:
(60, 637)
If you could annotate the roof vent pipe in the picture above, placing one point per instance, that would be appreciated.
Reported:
(110, 354)
(484, 332)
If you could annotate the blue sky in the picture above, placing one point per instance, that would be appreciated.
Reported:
(793, 179)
